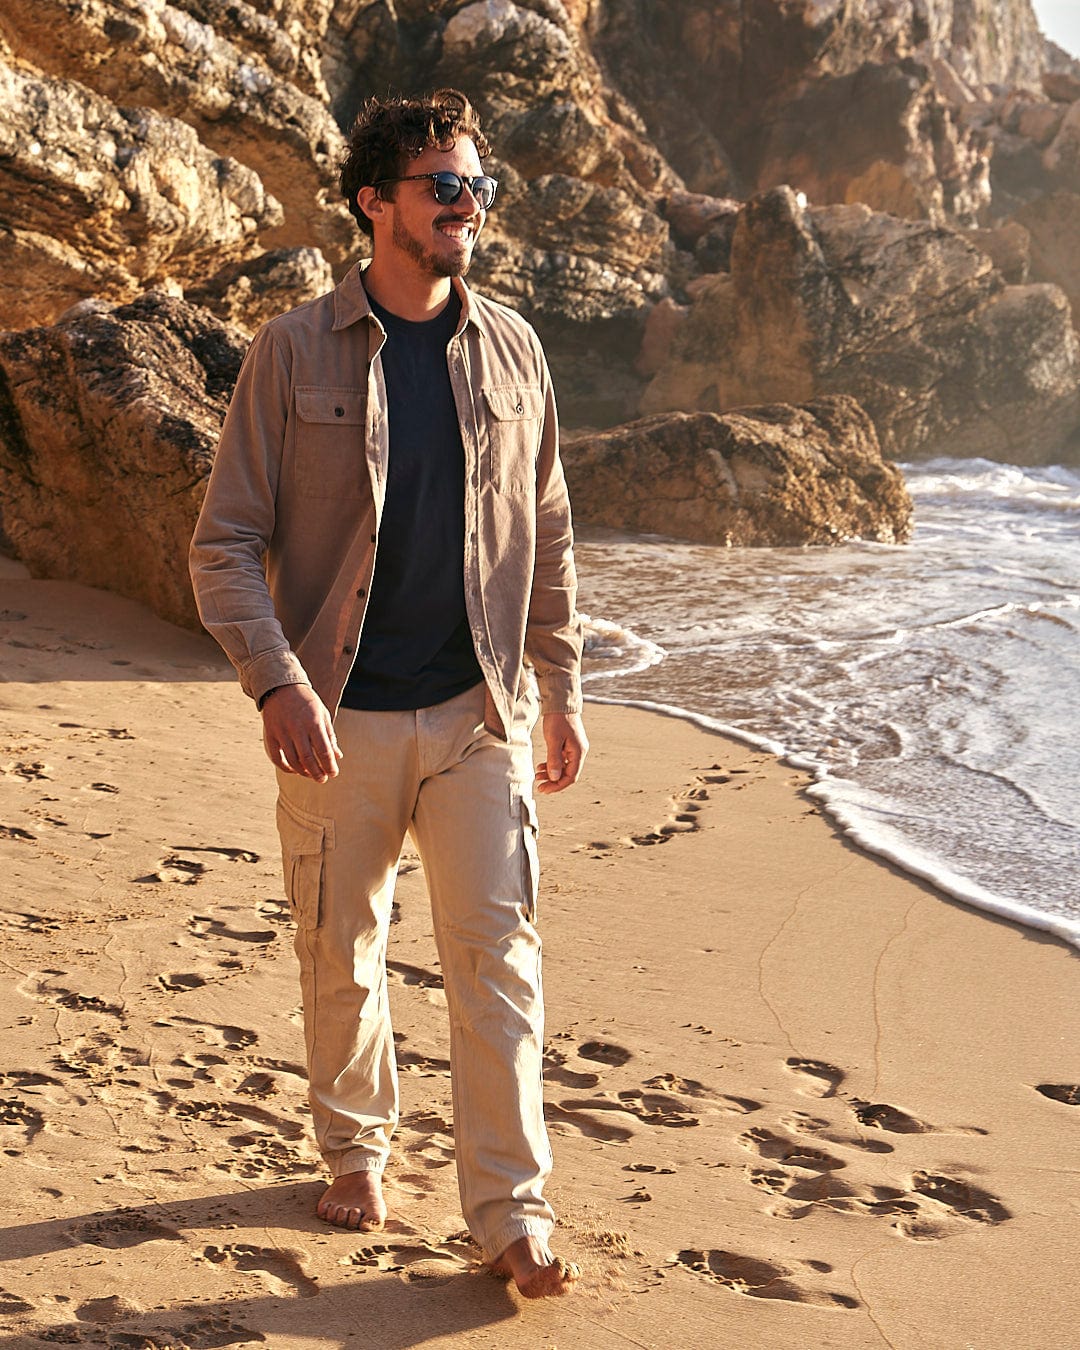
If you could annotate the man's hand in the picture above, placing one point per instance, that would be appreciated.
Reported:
(298, 733)
(567, 745)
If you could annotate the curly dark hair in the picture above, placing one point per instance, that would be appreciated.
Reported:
(388, 132)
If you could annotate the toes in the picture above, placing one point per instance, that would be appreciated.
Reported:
(341, 1216)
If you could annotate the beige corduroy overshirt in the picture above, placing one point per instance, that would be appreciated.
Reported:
(287, 540)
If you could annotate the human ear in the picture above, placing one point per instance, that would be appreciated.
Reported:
(372, 205)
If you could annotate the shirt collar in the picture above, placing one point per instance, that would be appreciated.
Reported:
(351, 302)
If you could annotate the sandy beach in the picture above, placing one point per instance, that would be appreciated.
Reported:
(794, 1095)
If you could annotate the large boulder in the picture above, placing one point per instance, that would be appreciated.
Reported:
(778, 475)
(108, 423)
(1053, 227)
(159, 56)
(101, 200)
(882, 135)
(248, 294)
(912, 320)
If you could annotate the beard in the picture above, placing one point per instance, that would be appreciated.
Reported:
(439, 265)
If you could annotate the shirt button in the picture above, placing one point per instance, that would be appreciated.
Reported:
(340, 412)
(520, 409)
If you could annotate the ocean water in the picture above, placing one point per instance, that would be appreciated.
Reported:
(933, 689)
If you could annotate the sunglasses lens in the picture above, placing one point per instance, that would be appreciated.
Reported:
(447, 187)
(483, 189)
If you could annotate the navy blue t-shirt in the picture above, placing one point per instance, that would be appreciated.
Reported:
(416, 648)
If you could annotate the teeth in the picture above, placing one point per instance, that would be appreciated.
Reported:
(457, 231)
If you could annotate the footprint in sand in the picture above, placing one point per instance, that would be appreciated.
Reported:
(789, 1151)
(203, 926)
(424, 1066)
(180, 983)
(556, 1072)
(416, 1261)
(759, 1279)
(232, 854)
(1068, 1093)
(121, 1229)
(230, 1038)
(400, 972)
(38, 987)
(822, 1079)
(96, 733)
(28, 770)
(801, 1123)
(176, 869)
(435, 1146)
(930, 1207)
(257, 1155)
(20, 1115)
(605, 1052)
(10, 1303)
(280, 1268)
(15, 832)
(586, 1122)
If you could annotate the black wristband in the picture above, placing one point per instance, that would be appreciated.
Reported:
(265, 695)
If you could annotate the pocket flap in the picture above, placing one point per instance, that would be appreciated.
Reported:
(341, 407)
(301, 834)
(514, 402)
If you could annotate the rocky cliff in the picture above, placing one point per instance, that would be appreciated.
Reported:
(702, 205)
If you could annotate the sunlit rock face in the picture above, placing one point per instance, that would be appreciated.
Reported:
(913, 321)
(703, 206)
(110, 418)
(776, 475)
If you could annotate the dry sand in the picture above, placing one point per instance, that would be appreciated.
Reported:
(793, 1094)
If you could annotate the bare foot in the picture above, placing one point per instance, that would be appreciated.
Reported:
(354, 1200)
(534, 1270)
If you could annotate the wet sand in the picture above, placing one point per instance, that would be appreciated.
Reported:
(796, 1098)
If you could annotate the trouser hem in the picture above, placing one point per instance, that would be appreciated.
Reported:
(355, 1160)
(509, 1233)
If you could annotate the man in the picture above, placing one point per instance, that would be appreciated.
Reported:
(383, 553)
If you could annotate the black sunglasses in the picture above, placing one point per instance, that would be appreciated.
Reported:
(448, 186)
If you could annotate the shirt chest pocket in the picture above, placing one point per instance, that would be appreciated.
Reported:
(513, 432)
(329, 457)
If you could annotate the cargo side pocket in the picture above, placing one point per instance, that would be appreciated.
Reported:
(304, 841)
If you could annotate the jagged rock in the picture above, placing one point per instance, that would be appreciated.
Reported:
(160, 57)
(1009, 248)
(1039, 122)
(911, 320)
(882, 135)
(247, 294)
(1063, 86)
(1061, 158)
(1053, 226)
(776, 475)
(704, 224)
(568, 193)
(108, 422)
(100, 200)
(664, 321)
(738, 65)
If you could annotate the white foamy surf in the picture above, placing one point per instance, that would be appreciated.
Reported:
(930, 690)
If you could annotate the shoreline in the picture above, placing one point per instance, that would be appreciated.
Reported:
(911, 861)
(794, 1094)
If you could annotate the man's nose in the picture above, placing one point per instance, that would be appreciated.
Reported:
(467, 203)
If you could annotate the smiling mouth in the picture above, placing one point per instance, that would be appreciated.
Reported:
(462, 230)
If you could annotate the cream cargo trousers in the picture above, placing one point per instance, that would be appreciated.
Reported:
(466, 799)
